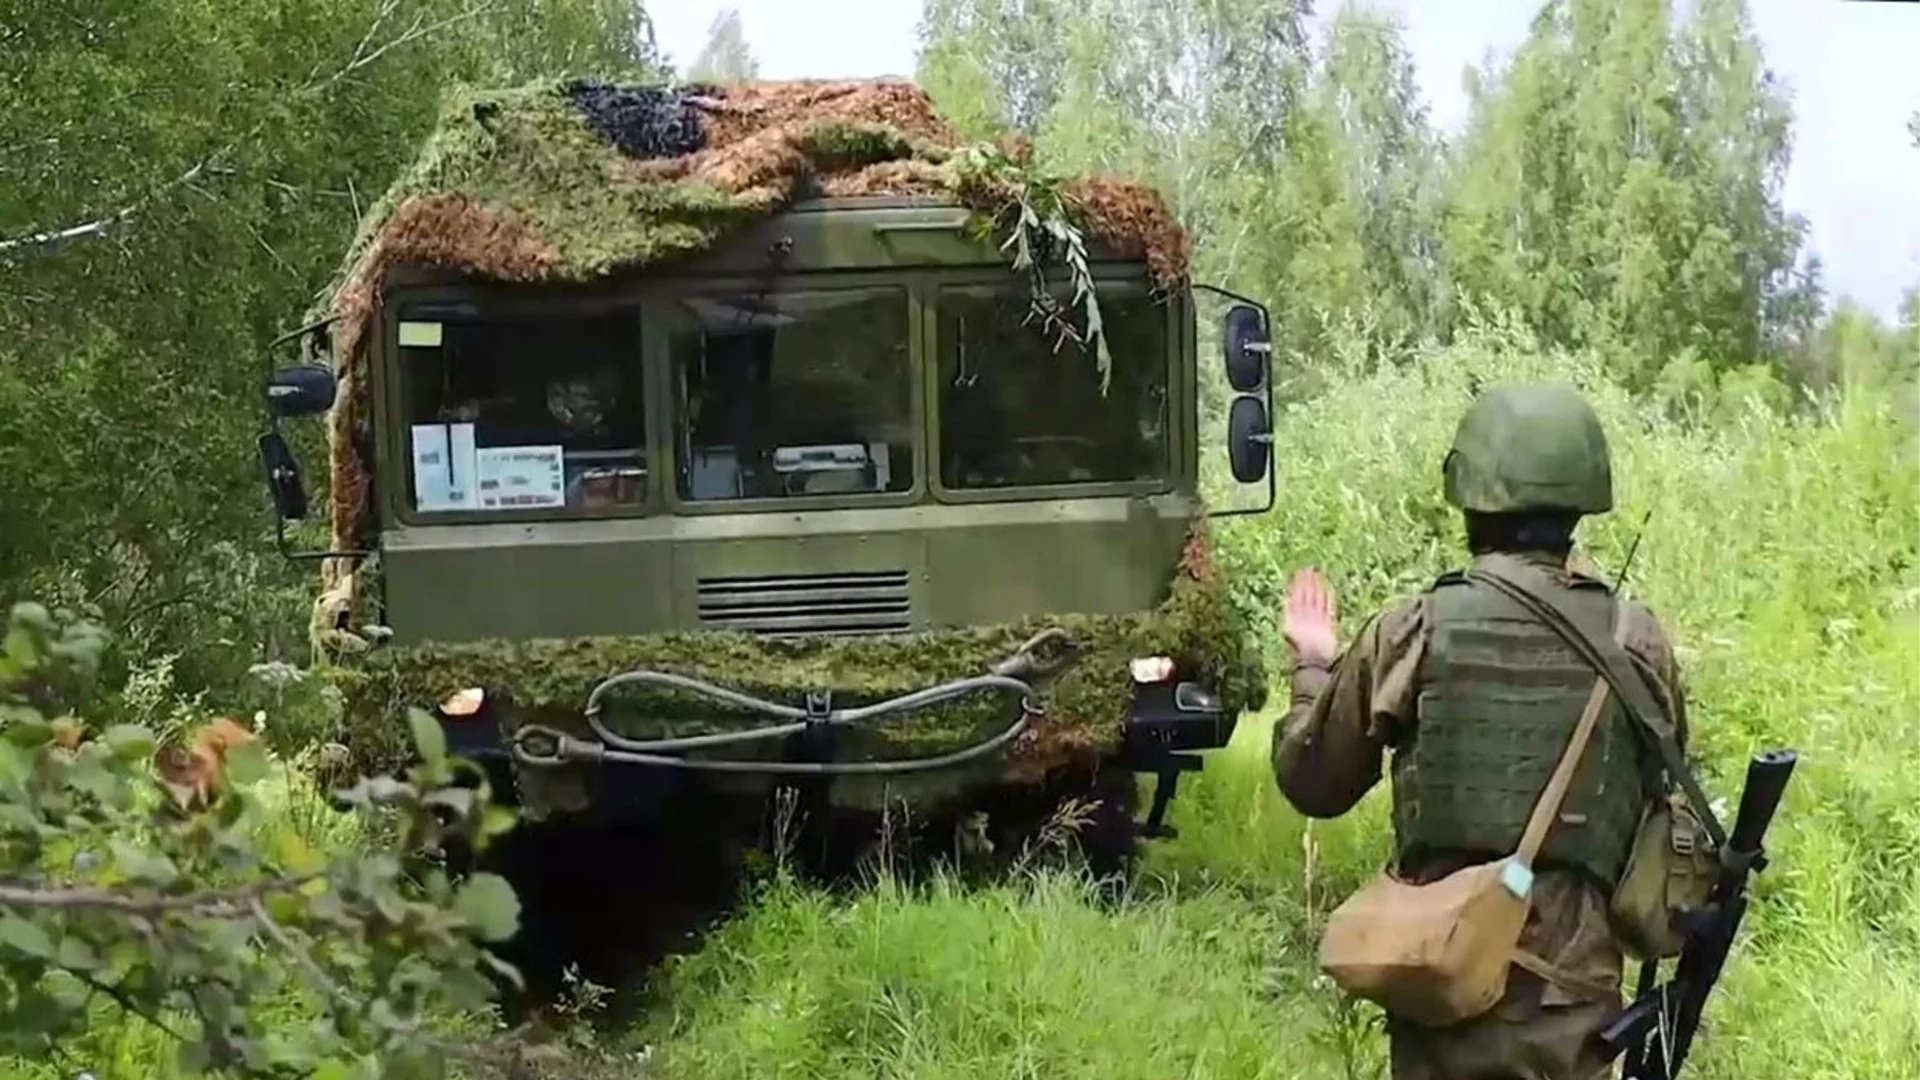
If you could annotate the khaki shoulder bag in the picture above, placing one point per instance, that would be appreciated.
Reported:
(1438, 954)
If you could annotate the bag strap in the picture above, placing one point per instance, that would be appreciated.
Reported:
(1525, 585)
(1554, 973)
(1547, 806)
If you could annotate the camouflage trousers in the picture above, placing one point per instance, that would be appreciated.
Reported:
(1521, 1038)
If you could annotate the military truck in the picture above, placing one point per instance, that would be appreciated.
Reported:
(731, 441)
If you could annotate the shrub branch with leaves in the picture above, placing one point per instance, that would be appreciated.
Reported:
(178, 895)
(1040, 221)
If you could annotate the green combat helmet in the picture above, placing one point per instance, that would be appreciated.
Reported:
(1532, 447)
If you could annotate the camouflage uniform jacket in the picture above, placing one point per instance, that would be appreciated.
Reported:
(1328, 752)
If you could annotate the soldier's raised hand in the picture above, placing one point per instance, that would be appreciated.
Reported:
(1308, 624)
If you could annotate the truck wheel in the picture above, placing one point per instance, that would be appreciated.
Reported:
(1043, 823)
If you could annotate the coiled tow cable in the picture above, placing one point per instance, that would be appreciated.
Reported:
(540, 746)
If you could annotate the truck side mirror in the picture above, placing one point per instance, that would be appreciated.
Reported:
(1248, 347)
(1249, 438)
(284, 484)
(303, 390)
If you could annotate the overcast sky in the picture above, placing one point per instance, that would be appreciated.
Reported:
(1855, 172)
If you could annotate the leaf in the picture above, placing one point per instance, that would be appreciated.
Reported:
(488, 902)
(91, 775)
(21, 652)
(247, 763)
(296, 855)
(27, 937)
(142, 865)
(30, 730)
(428, 737)
(76, 955)
(496, 820)
(16, 767)
(129, 742)
(284, 907)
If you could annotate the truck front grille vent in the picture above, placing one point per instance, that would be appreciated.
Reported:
(796, 605)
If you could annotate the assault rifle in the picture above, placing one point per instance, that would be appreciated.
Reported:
(1656, 1031)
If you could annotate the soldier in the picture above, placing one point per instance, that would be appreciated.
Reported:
(1453, 680)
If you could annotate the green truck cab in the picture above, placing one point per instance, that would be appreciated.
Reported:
(814, 500)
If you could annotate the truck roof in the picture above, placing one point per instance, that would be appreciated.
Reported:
(569, 181)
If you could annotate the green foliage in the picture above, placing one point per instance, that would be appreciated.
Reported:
(1619, 182)
(1197, 100)
(185, 900)
(179, 179)
(725, 57)
(1041, 223)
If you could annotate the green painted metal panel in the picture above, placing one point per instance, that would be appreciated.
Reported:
(895, 570)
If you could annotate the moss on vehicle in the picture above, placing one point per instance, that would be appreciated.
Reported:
(548, 682)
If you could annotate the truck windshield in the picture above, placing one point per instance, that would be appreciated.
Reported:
(787, 394)
(1016, 412)
(523, 412)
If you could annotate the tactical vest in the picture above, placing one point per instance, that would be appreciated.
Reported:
(1499, 695)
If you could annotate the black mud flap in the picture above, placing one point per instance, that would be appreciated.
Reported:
(1168, 725)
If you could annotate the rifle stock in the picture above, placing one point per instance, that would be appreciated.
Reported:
(1656, 1031)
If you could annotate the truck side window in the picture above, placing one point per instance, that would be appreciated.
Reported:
(523, 412)
(1017, 412)
(794, 393)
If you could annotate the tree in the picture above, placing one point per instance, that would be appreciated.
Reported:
(725, 58)
(1619, 183)
(1215, 121)
(994, 66)
(1388, 157)
(152, 243)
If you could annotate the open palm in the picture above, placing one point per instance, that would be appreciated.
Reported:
(1309, 624)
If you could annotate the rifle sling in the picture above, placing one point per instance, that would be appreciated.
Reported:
(1523, 584)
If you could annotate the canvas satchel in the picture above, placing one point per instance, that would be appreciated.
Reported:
(1439, 953)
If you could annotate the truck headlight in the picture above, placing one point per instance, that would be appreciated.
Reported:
(463, 703)
(1151, 669)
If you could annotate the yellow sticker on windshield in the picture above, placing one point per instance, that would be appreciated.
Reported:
(420, 335)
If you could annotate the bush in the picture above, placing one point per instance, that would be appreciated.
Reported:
(199, 889)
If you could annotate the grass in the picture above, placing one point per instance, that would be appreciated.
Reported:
(1782, 555)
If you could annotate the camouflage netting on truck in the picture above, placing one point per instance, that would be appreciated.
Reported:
(548, 682)
(566, 182)
(573, 182)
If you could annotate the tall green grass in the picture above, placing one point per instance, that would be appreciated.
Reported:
(1782, 554)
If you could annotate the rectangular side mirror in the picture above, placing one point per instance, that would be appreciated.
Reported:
(1248, 347)
(305, 390)
(284, 484)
